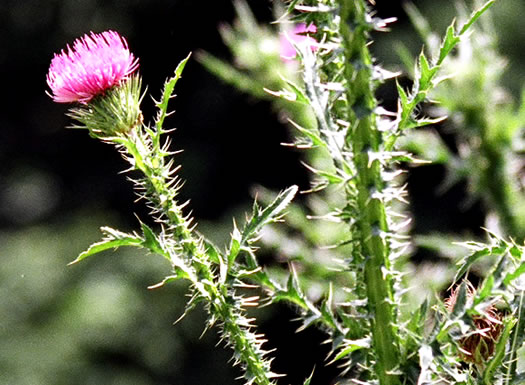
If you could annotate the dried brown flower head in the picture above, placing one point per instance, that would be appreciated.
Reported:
(478, 346)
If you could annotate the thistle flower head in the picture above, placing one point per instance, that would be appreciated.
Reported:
(479, 345)
(296, 37)
(94, 64)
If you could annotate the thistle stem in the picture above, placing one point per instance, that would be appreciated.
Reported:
(365, 140)
(188, 253)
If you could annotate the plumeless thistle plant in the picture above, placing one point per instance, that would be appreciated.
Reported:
(471, 338)
(97, 73)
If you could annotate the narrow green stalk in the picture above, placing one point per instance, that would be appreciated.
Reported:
(365, 140)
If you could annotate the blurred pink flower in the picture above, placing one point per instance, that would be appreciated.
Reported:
(96, 63)
(297, 37)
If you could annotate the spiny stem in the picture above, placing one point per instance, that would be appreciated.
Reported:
(372, 223)
(160, 191)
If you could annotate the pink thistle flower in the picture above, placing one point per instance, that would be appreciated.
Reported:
(296, 37)
(96, 63)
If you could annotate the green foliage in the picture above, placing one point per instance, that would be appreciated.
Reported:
(472, 337)
(486, 122)
(192, 258)
(360, 139)
(259, 70)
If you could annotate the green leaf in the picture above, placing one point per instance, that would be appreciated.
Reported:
(269, 214)
(465, 264)
(310, 134)
(417, 321)
(179, 274)
(415, 123)
(167, 93)
(516, 252)
(426, 73)
(403, 97)
(299, 94)
(486, 289)
(330, 177)
(461, 302)
(235, 245)
(351, 346)
(326, 309)
(475, 15)
(114, 239)
(515, 274)
(151, 241)
(495, 362)
(230, 75)
(450, 41)
(212, 251)
(292, 293)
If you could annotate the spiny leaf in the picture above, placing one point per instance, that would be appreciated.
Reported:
(475, 15)
(493, 279)
(351, 346)
(426, 72)
(292, 293)
(212, 251)
(167, 93)
(471, 259)
(415, 123)
(269, 214)
(114, 239)
(402, 95)
(417, 321)
(151, 241)
(450, 41)
(328, 176)
(290, 9)
(300, 96)
(310, 134)
(179, 274)
(326, 308)
(235, 244)
(428, 145)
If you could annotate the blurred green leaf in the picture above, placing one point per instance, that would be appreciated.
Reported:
(230, 75)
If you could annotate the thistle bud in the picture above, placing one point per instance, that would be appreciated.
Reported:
(478, 346)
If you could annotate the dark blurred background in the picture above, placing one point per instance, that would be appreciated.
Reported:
(96, 323)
